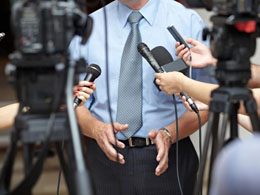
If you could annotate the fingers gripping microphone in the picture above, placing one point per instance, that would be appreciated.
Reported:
(164, 58)
(93, 72)
(191, 103)
(144, 50)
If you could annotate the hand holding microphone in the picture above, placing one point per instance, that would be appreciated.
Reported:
(86, 87)
(171, 82)
(144, 50)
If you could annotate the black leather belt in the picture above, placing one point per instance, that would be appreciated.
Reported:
(137, 142)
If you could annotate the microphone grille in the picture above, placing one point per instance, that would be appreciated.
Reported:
(142, 46)
(94, 69)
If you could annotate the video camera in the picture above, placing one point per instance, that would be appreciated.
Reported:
(43, 31)
(228, 7)
(44, 74)
(233, 43)
(47, 27)
(233, 37)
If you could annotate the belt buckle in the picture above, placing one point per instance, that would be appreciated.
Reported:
(130, 142)
(147, 141)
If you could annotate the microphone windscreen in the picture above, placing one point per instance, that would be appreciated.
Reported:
(94, 69)
(161, 55)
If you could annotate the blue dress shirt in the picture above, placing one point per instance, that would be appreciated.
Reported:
(158, 108)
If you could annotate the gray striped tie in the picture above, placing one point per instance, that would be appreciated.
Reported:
(129, 106)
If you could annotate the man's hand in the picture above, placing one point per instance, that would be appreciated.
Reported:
(104, 135)
(163, 143)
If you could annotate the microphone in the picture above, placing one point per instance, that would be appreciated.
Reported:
(93, 72)
(163, 57)
(144, 50)
(2, 36)
(191, 103)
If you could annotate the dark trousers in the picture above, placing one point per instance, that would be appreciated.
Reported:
(137, 175)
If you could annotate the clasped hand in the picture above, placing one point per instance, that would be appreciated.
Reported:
(106, 139)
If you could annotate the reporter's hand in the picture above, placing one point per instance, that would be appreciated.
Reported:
(163, 143)
(170, 82)
(201, 106)
(201, 54)
(104, 135)
(84, 90)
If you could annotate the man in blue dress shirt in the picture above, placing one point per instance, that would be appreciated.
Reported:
(145, 163)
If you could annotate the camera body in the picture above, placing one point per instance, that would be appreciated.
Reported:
(43, 31)
(232, 37)
(227, 7)
(236, 7)
(46, 27)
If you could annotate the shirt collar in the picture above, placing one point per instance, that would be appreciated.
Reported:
(149, 12)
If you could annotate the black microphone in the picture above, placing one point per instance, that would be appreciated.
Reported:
(191, 103)
(163, 57)
(144, 50)
(93, 72)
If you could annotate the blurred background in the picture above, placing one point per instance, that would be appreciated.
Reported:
(48, 181)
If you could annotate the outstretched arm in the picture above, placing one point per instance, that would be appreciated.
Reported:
(254, 82)
(175, 82)
(7, 115)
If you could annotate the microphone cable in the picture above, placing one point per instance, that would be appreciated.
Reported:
(196, 110)
(103, 3)
(200, 143)
(190, 74)
(177, 144)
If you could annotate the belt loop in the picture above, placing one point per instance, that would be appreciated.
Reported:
(130, 141)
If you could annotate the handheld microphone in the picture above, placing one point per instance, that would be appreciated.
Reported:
(144, 50)
(163, 57)
(191, 103)
(176, 35)
(93, 72)
(2, 36)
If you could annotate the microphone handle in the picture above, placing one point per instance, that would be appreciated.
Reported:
(191, 103)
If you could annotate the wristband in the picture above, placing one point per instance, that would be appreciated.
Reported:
(167, 133)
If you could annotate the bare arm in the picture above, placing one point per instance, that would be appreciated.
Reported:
(102, 133)
(7, 115)
(254, 82)
(187, 124)
(245, 122)
(175, 82)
